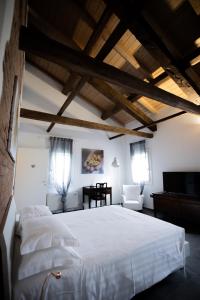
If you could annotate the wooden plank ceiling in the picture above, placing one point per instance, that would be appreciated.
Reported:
(157, 42)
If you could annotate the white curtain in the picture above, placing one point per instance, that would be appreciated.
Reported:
(60, 165)
(139, 163)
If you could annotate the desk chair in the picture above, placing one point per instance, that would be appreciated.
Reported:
(101, 184)
(98, 195)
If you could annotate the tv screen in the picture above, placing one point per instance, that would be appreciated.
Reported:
(182, 182)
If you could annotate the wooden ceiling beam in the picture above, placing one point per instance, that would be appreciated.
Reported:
(35, 20)
(92, 40)
(83, 97)
(46, 117)
(153, 123)
(71, 82)
(114, 110)
(116, 97)
(132, 98)
(76, 78)
(69, 99)
(118, 48)
(153, 44)
(128, 57)
(82, 11)
(41, 45)
(115, 36)
(117, 33)
(191, 57)
(98, 29)
(48, 29)
(89, 101)
(112, 40)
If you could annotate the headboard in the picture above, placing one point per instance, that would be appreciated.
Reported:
(6, 244)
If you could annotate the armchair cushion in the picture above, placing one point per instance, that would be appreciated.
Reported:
(131, 191)
(131, 197)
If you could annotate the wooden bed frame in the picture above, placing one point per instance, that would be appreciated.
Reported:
(6, 245)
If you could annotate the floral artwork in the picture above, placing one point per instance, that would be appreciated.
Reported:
(92, 161)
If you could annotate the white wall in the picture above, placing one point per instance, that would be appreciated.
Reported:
(42, 93)
(113, 176)
(174, 147)
(31, 176)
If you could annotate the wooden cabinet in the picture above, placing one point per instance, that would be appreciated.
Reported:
(177, 207)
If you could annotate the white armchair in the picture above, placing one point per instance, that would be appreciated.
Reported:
(131, 197)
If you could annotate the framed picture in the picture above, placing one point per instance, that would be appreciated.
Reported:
(92, 161)
(13, 125)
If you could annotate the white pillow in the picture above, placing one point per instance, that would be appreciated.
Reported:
(33, 211)
(46, 232)
(47, 259)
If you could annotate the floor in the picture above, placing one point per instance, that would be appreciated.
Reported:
(177, 286)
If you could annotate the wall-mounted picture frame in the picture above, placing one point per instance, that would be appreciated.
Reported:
(13, 124)
(92, 161)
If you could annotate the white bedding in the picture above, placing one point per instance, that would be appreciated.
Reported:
(122, 253)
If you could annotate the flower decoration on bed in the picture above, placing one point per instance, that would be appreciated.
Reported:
(92, 161)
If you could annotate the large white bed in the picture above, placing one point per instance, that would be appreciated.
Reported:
(122, 253)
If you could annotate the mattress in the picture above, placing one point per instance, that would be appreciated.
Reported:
(122, 252)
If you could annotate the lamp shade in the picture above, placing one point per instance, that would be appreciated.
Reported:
(115, 163)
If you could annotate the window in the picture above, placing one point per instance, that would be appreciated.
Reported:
(60, 165)
(139, 163)
(60, 168)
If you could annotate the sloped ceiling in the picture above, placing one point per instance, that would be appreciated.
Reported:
(160, 46)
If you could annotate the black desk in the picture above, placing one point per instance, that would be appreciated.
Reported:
(89, 191)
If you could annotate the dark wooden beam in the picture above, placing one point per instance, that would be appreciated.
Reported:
(36, 21)
(127, 10)
(98, 29)
(190, 57)
(114, 37)
(70, 83)
(76, 78)
(109, 113)
(153, 123)
(71, 96)
(41, 116)
(42, 46)
(83, 97)
(91, 42)
(132, 98)
(84, 14)
(116, 97)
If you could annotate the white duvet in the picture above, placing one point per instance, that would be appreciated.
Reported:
(122, 253)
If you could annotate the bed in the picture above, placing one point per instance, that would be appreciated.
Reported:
(122, 253)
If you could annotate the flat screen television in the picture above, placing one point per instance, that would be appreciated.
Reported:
(182, 183)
